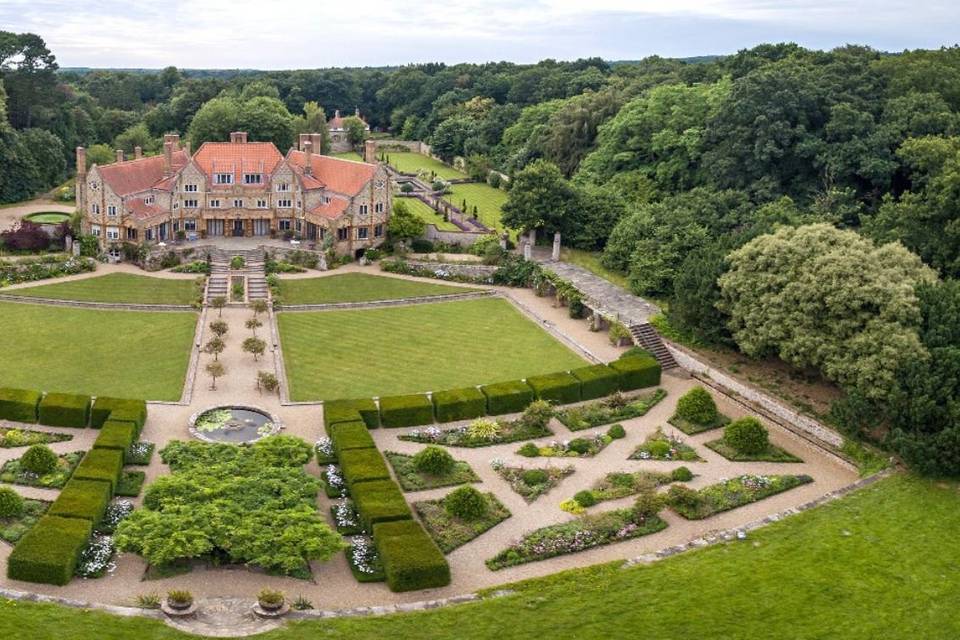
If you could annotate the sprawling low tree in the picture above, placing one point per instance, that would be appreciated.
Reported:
(540, 198)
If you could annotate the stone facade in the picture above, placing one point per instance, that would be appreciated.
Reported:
(339, 141)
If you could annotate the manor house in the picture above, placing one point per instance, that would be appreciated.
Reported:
(236, 189)
(339, 138)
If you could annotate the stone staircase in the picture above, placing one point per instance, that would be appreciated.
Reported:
(253, 270)
(646, 337)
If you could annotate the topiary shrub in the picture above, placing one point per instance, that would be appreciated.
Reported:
(103, 407)
(49, 551)
(65, 410)
(658, 448)
(19, 405)
(116, 435)
(747, 435)
(637, 371)
(362, 465)
(585, 498)
(596, 381)
(529, 450)
(101, 464)
(379, 501)
(85, 499)
(434, 461)
(411, 559)
(579, 445)
(534, 477)
(11, 504)
(39, 459)
(459, 404)
(697, 406)
(681, 474)
(365, 409)
(350, 435)
(406, 411)
(558, 388)
(466, 503)
(507, 397)
(617, 431)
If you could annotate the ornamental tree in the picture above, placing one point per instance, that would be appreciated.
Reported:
(256, 346)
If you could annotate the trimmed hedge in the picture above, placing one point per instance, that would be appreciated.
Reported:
(406, 411)
(507, 397)
(637, 371)
(126, 409)
(350, 435)
(596, 381)
(116, 435)
(459, 404)
(558, 388)
(87, 499)
(65, 410)
(411, 560)
(362, 465)
(335, 411)
(101, 464)
(49, 551)
(379, 501)
(19, 405)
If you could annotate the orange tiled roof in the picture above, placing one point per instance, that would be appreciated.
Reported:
(132, 176)
(342, 176)
(336, 122)
(141, 210)
(332, 209)
(237, 158)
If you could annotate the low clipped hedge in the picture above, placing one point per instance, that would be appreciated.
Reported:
(350, 435)
(558, 388)
(19, 405)
(379, 501)
(125, 409)
(87, 499)
(596, 381)
(637, 371)
(507, 397)
(116, 435)
(335, 411)
(411, 560)
(459, 404)
(101, 464)
(406, 411)
(65, 410)
(49, 551)
(362, 465)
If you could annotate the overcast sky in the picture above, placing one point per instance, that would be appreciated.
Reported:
(287, 34)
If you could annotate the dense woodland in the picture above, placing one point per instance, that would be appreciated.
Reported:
(785, 202)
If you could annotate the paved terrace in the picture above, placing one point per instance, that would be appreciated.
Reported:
(604, 297)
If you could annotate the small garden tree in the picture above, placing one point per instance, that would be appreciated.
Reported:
(747, 435)
(434, 461)
(256, 346)
(253, 324)
(267, 380)
(258, 307)
(214, 347)
(219, 328)
(697, 406)
(218, 303)
(39, 459)
(216, 370)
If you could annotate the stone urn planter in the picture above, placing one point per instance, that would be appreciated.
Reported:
(179, 605)
(271, 604)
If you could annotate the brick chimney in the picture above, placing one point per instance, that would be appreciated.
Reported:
(308, 157)
(303, 137)
(370, 151)
(81, 163)
(238, 137)
(317, 140)
(119, 155)
(173, 138)
(137, 152)
(167, 159)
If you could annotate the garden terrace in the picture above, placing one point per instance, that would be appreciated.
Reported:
(359, 287)
(488, 200)
(428, 214)
(125, 288)
(411, 162)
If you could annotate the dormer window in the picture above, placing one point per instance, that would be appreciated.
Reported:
(283, 186)
(252, 178)
(223, 178)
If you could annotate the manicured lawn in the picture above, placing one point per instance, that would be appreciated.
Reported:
(348, 155)
(444, 345)
(878, 564)
(489, 202)
(116, 287)
(133, 354)
(359, 287)
(410, 162)
(428, 215)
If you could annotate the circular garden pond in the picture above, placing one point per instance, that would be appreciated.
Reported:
(233, 425)
(47, 217)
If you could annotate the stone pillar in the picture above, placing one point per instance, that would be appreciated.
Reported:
(137, 152)
(307, 157)
(81, 184)
(503, 240)
(556, 246)
(370, 151)
(168, 159)
(527, 251)
(119, 155)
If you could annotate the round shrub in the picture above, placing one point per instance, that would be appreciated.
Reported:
(529, 450)
(537, 414)
(683, 497)
(658, 448)
(746, 435)
(585, 498)
(579, 445)
(681, 474)
(466, 503)
(11, 504)
(697, 406)
(39, 459)
(533, 477)
(648, 503)
(617, 431)
(621, 479)
(434, 461)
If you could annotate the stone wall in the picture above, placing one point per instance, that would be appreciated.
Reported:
(479, 271)
(463, 238)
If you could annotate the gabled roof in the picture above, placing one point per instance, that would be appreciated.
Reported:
(141, 210)
(343, 176)
(331, 209)
(336, 122)
(132, 176)
(237, 158)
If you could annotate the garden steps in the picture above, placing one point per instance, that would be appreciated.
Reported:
(645, 336)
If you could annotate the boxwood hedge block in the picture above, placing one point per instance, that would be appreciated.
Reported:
(406, 411)
(116, 435)
(86, 499)
(507, 397)
(459, 404)
(19, 405)
(335, 411)
(637, 371)
(379, 501)
(101, 464)
(410, 558)
(350, 435)
(558, 388)
(596, 381)
(48, 552)
(65, 410)
(125, 409)
(362, 465)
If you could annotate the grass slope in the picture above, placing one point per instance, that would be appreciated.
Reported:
(489, 202)
(359, 287)
(128, 354)
(411, 162)
(443, 345)
(116, 287)
(428, 215)
(877, 564)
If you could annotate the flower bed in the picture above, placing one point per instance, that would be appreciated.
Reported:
(580, 534)
(660, 446)
(583, 447)
(531, 486)
(324, 450)
(364, 561)
(116, 511)
(12, 529)
(346, 519)
(614, 486)
(693, 428)
(507, 431)
(42, 268)
(96, 558)
(12, 473)
(140, 453)
(450, 532)
(411, 479)
(11, 437)
(613, 409)
(730, 494)
(772, 453)
(333, 483)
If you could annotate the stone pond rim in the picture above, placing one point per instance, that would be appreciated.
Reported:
(47, 217)
(243, 427)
